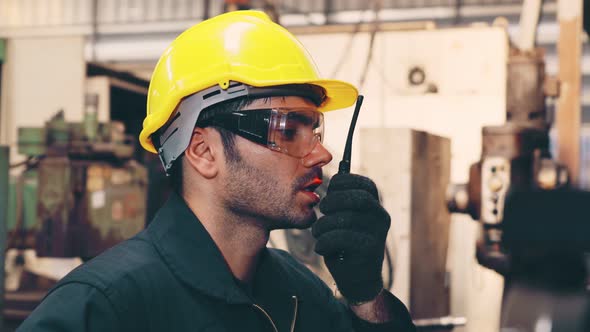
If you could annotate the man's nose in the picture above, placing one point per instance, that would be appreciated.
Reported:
(318, 157)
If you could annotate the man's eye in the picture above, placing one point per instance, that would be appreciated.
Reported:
(301, 118)
(289, 134)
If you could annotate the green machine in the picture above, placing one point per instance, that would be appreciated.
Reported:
(80, 191)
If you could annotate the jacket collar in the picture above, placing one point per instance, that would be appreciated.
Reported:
(191, 254)
(189, 251)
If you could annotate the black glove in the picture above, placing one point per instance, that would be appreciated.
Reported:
(351, 236)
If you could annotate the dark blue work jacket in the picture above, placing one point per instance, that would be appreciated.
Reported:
(172, 277)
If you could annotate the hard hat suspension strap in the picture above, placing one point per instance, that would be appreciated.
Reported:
(172, 139)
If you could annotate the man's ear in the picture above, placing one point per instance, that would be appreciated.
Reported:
(201, 153)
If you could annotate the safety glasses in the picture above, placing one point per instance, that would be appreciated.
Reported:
(291, 131)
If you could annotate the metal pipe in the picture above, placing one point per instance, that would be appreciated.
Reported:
(328, 9)
(206, 9)
(458, 5)
(529, 19)
(568, 116)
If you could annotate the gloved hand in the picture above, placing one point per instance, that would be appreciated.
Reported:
(351, 236)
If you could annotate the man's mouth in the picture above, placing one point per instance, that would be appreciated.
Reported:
(313, 185)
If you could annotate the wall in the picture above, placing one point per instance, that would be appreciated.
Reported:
(468, 69)
(40, 77)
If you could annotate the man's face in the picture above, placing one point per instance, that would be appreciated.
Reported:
(272, 187)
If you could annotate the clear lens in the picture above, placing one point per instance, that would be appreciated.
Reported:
(295, 132)
(292, 131)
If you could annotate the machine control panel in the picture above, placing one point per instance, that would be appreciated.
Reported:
(495, 177)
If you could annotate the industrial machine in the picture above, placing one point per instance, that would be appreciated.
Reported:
(533, 226)
(546, 233)
(515, 155)
(80, 193)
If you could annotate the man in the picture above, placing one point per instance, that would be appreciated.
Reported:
(235, 113)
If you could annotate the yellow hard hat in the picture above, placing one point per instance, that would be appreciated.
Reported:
(240, 46)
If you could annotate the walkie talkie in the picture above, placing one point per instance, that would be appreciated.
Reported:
(344, 166)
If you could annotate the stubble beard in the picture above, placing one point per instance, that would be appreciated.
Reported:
(251, 193)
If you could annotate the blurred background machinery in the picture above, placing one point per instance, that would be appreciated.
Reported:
(532, 225)
(515, 155)
(546, 234)
(80, 193)
(84, 193)
(533, 229)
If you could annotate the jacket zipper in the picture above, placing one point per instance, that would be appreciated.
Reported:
(274, 327)
(294, 314)
(267, 316)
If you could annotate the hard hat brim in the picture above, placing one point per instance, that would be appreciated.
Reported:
(339, 94)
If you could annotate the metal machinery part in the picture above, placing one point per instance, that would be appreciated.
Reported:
(546, 233)
(79, 193)
(514, 155)
(535, 242)
(89, 193)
